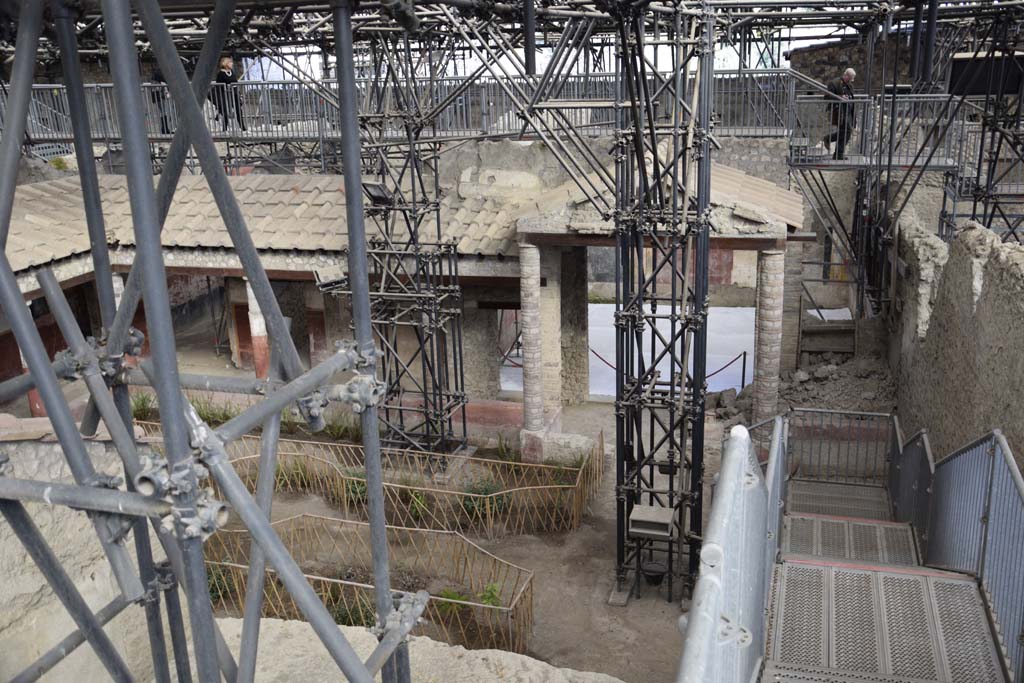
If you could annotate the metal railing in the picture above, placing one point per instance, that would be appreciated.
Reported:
(967, 513)
(813, 118)
(976, 526)
(910, 484)
(725, 628)
(747, 103)
(753, 103)
(839, 446)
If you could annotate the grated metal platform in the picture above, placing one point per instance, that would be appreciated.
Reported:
(837, 624)
(848, 539)
(841, 500)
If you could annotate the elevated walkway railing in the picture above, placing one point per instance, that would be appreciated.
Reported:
(966, 511)
(747, 103)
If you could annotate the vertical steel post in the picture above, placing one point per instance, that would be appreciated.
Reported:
(120, 36)
(174, 163)
(700, 288)
(359, 282)
(257, 559)
(530, 37)
(19, 96)
(103, 278)
(927, 66)
(915, 42)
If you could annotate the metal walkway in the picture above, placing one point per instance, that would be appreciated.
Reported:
(903, 571)
(850, 602)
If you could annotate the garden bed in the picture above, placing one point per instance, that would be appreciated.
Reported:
(477, 600)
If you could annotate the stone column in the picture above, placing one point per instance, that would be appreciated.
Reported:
(118, 289)
(791, 305)
(258, 332)
(529, 321)
(768, 333)
(575, 372)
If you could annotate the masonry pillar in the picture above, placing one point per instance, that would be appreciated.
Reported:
(771, 269)
(529, 325)
(791, 305)
(258, 332)
(551, 334)
(118, 289)
(575, 327)
(482, 365)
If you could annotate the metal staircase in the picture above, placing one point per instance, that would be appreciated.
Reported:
(837, 552)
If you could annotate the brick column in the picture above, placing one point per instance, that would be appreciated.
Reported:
(258, 332)
(791, 306)
(529, 321)
(768, 332)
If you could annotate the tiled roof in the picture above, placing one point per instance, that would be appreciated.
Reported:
(306, 213)
(47, 224)
(282, 212)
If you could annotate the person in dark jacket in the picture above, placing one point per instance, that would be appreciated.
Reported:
(841, 112)
(226, 98)
(158, 95)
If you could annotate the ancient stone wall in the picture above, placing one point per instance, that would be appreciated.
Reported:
(32, 619)
(957, 338)
(763, 158)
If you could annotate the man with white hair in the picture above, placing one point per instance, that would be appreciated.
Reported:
(841, 112)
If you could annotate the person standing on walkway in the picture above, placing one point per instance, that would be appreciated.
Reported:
(841, 112)
(227, 99)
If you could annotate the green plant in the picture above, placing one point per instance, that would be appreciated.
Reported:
(144, 406)
(59, 163)
(356, 611)
(290, 422)
(343, 427)
(418, 507)
(484, 490)
(505, 450)
(448, 609)
(217, 581)
(491, 595)
(355, 485)
(292, 473)
(593, 298)
(564, 473)
(213, 413)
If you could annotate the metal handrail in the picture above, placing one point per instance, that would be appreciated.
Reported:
(977, 527)
(725, 629)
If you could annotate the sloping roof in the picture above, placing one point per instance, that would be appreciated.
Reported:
(47, 224)
(732, 184)
(282, 212)
(306, 213)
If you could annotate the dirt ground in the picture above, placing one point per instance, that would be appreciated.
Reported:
(573, 576)
(574, 626)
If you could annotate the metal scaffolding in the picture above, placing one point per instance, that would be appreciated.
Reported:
(662, 217)
(412, 79)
